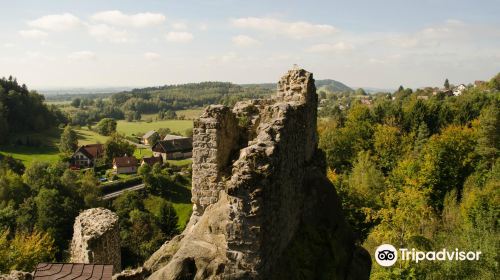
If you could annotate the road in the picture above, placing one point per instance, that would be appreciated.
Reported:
(120, 192)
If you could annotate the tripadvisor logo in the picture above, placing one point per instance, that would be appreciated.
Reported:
(387, 255)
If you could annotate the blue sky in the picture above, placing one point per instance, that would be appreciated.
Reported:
(48, 44)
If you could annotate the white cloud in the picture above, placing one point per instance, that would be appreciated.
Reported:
(296, 30)
(118, 18)
(328, 48)
(179, 37)
(82, 55)
(33, 34)
(244, 41)
(105, 32)
(62, 22)
(151, 56)
(179, 26)
(225, 58)
(203, 27)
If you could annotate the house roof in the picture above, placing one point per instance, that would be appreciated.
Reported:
(174, 145)
(152, 160)
(173, 136)
(50, 271)
(125, 161)
(149, 134)
(91, 151)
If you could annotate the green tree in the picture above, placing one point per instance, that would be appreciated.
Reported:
(366, 181)
(117, 146)
(69, 140)
(494, 83)
(10, 163)
(387, 146)
(447, 159)
(56, 215)
(446, 84)
(90, 191)
(25, 250)
(106, 126)
(12, 188)
(76, 102)
(489, 133)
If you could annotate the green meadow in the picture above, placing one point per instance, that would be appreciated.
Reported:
(133, 128)
(48, 150)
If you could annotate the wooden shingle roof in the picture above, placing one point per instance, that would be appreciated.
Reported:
(125, 161)
(174, 145)
(73, 271)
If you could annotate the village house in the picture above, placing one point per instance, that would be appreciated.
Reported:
(176, 148)
(151, 160)
(458, 90)
(479, 83)
(150, 137)
(87, 155)
(172, 136)
(125, 165)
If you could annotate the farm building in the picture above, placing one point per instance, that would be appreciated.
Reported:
(125, 165)
(151, 160)
(87, 155)
(172, 136)
(150, 137)
(177, 148)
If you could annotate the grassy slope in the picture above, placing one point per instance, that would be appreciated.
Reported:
(86, 136)
(48, 151)
(190, 114)
(129, 128)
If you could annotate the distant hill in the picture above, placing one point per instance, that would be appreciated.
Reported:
(332, 86)
(328, 85)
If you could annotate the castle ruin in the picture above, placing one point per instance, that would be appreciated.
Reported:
(96, 238)
(260, 194)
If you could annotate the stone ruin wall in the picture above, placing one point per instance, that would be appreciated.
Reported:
(96, 238)
(261, 165)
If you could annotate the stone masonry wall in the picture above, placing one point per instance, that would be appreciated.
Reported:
(252, 171)
(215, 137)
(96, 238)
(267, 178)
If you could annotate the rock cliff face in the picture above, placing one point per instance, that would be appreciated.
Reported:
(263, 208)
(96, 238)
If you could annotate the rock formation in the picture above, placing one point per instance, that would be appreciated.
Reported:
(96, 238)
(263, 207)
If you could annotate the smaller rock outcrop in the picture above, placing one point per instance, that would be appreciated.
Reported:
(96, 238)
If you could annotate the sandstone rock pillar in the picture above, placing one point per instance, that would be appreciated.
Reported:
(96, 238)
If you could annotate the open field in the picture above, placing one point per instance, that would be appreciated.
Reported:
(133, 128)
(86, 136)
(49, 140)
(140, 153)
(180, 162)
(47, 149)
(190, 114)
(58, 102)
(29, 154)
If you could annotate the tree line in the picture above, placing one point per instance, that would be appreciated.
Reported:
(22, 110)
(420, 173)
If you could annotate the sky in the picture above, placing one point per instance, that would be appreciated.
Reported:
(123, 43)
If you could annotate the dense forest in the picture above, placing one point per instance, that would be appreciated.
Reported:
(22, 110)
(419, 173)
